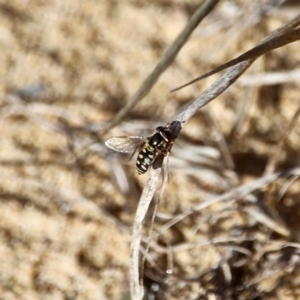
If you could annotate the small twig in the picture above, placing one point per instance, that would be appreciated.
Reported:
(267, 221)
(286, 186)
(165, 182)
(226, 271)
(270, 78)
(202, 243)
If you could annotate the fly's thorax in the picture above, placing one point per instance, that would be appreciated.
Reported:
(156, 140)
(160, 137)
(165, 133)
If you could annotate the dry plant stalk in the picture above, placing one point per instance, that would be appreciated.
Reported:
(136, 288)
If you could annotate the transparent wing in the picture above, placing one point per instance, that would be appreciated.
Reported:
(158, 161)
(125, 144)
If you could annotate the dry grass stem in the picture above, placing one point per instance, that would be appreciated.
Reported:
(136, 288)
(270, 78)
(165, 61)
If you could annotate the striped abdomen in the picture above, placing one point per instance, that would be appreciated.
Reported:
(145, 159)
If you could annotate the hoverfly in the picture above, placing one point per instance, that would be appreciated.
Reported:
(152, 150)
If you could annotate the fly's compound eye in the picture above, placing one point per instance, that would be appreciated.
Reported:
(164, 133)
(159, 129)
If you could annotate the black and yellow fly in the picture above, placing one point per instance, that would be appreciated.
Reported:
(152, 150)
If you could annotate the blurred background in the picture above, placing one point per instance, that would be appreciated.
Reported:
(67, 209)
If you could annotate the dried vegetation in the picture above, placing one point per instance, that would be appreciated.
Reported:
(228, 224)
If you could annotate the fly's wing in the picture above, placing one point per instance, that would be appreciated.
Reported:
(158, 161)
(125, 144)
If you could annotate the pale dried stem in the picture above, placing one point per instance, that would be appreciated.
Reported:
(136, 288)
(270, 78)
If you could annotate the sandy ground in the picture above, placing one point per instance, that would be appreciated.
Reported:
(66, 215)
